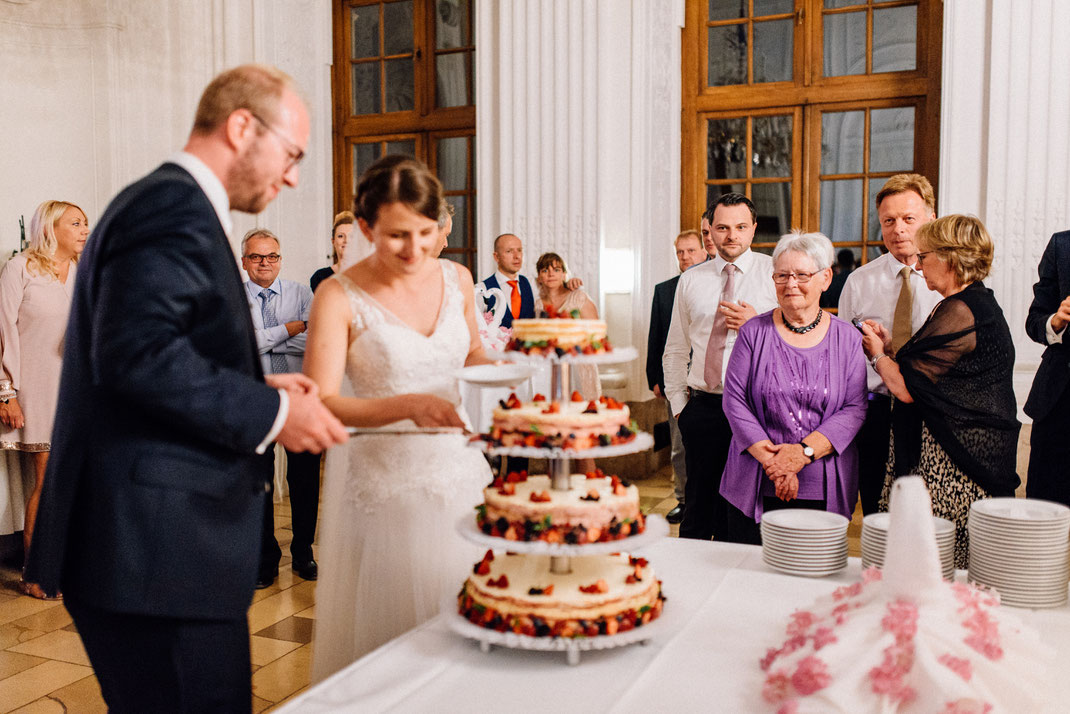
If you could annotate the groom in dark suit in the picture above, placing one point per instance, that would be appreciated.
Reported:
(151, 517)
(1049, 399)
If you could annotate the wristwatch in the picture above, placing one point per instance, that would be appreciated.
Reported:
(808, 451)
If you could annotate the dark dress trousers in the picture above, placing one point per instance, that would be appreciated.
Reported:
(527, 299)
(660, 317)
(1049, 399)
(151, 513)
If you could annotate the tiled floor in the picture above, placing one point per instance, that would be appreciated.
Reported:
(44, 669)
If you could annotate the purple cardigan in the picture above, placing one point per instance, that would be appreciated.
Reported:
(782, 393)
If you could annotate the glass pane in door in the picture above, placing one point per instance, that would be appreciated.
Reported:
(726, 148)
(452, 163)
(451, 24)
(458, 237)
(845, 44)
(771, 146)
(401, 147)
(841, 142)
(399, 85)
(727, 9)
(728, 55)
(895, 39)
(366, 88)
(873, 228)
(891, 139)
(397, 27)
(841, 210)
(773, 7)
(773, 48)
(364, 155)
(772, 201)
(715, 192)
(453, 74)
(365, 31)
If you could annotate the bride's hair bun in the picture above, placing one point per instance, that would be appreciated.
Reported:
(397, 178)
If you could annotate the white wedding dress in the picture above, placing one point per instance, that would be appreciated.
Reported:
(388, 549)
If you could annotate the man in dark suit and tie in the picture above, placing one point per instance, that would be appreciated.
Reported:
(509, 255)
(152, 511)
(689, 251)
(1049, 399)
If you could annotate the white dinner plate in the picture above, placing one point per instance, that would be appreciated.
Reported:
(496, 375)
(1027, 510)
(803, 519)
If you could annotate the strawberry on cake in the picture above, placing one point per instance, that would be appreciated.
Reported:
(603, 595)
(577, 424)
(596, 508)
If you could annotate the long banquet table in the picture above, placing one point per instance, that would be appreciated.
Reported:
(724, 608)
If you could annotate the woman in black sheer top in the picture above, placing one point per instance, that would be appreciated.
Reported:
(954, 419)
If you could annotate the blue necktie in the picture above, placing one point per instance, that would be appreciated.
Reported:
(267, 309)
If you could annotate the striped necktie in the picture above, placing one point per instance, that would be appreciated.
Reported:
(267, 310)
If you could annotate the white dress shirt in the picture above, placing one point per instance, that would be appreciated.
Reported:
(217, 195)
(871, 292)
(697, 296)
(293, 301)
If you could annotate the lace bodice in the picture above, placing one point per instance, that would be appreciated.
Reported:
(387, 357)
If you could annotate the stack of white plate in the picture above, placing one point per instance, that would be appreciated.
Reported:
(1019, 547)
(802, 542)
(875, 541)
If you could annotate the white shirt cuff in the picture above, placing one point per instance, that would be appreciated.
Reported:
(1054, 338)
(280, 419)
(677, 402)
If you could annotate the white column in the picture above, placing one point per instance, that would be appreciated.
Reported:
(578, 128)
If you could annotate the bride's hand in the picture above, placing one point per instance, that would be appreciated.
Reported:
(429, 410)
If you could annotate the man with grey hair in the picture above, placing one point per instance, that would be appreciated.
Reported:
(152, 507)
(280, 309)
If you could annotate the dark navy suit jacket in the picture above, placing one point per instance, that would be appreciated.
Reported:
(153, 503)
(527, 299)
(660, 317)
(1054, 285)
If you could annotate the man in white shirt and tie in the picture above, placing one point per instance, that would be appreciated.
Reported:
(892, 291)
(712, 302)
(279, 309)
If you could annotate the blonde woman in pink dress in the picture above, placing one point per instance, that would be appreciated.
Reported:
(35, 298)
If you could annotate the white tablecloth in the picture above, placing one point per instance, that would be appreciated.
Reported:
(724, 608)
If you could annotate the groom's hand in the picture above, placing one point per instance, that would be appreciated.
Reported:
(309, 426)
(292, 382)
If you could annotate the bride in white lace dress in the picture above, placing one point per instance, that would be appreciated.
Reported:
(399, 324)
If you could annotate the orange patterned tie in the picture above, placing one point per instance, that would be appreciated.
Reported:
(514, 298)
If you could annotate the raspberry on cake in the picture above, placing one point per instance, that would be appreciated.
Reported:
(599, 597)
(574, 425)
(592, 510)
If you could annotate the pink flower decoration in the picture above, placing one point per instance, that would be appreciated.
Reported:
(901, 620)
(823, 636)
(770, 656)
(791, 707)
(871, 575)
(777, 687)
(958, 665)
(966, 706)
(810, 676)
(801, 620)
(846, 591)
(984, 635)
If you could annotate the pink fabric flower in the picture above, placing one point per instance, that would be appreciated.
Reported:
(777, 687)
(770, 656)
(871, 574)
(810, 676)
(847, 591)
(823, 636)
(801, 621)
(966, 706)
(791, 707)
(901, 620)
(959, 665)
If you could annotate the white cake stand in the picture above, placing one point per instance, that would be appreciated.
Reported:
(561, 554)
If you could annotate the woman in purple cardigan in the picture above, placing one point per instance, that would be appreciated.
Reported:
(795, 396)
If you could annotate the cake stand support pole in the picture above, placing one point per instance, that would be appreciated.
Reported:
(560, 564)
(559, 382)
(560, 478)
(573, 656)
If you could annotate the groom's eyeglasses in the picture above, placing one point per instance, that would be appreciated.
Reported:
(292, 150)
(271, 258)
